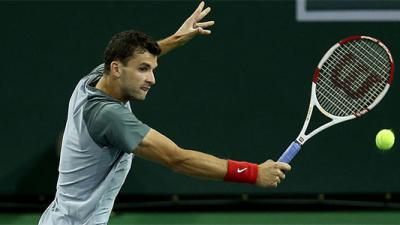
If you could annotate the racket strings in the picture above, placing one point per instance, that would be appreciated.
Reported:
(382, 70)
(356, 46)
(359, 82)
(338, 103)
(372, 51)
(344, 101)
(373, 64)
(353, 77)
(334, 105)
(350, 68)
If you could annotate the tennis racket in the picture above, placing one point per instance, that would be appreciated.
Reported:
(351, 79)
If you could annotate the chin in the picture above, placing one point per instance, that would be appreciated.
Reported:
(138, 98)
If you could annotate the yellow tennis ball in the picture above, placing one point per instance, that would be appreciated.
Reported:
(384, 139)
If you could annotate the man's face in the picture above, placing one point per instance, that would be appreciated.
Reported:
(137, 76)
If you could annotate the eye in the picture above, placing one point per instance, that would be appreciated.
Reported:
(143, 69)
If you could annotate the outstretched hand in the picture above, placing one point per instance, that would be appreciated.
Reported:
(193, 27)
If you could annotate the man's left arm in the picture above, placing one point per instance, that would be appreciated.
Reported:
(189, 29)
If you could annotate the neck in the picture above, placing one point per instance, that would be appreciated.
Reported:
(108, 85)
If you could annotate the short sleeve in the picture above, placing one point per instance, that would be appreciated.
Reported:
(115, 126)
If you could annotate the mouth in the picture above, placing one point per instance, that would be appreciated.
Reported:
(145, 88)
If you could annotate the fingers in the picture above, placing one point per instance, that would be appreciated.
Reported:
(272, 173)
(281, 175)
(277, 171)
(201, 26)
(199, 13)
(204, 32)
(280, 168)
(203, 14)
(277, 180)
(278, 165)
(205, 24)
(198, 10)
(283, 166)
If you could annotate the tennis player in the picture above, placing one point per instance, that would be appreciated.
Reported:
(102, 134)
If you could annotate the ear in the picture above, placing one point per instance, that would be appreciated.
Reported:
(115, 68)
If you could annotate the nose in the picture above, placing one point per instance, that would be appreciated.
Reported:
(151, 79)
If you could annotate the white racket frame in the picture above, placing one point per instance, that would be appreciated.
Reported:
(302, 138)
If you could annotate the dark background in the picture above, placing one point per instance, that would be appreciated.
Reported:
(241, 93)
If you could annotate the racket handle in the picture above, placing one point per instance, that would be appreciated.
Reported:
(290, 152)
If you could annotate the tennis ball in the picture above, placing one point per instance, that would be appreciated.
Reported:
(384, 139)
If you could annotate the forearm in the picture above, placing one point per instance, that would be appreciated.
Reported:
(198, 164)
(158, 148)
(170, 43)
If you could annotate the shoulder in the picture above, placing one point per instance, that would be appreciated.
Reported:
(113, 124)
(106, 111)
(96, 72)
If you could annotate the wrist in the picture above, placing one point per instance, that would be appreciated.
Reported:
(170, 43)
(242, 172)
(178, 39)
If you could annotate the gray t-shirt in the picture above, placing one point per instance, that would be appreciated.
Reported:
(98, 140)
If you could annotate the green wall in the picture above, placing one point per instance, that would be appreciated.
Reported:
(241, 93)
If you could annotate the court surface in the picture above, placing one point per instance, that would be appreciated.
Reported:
(233, 218)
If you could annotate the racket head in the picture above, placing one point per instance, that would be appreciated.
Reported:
(352, 77)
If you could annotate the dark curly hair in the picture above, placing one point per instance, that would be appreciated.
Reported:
(124, 45)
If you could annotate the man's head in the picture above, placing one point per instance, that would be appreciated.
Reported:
(130, 58)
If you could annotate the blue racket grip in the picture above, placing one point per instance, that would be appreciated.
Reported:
(290, 152)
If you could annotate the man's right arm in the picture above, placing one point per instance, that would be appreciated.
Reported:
(160, 149)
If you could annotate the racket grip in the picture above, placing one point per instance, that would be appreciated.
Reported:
(290, 152)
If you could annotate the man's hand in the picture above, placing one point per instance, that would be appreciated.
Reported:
(271, 173)
(192, 26)
(189, 29)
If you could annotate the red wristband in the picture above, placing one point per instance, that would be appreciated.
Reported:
(242, 172)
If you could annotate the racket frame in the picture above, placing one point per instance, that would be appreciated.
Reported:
(295, 146)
